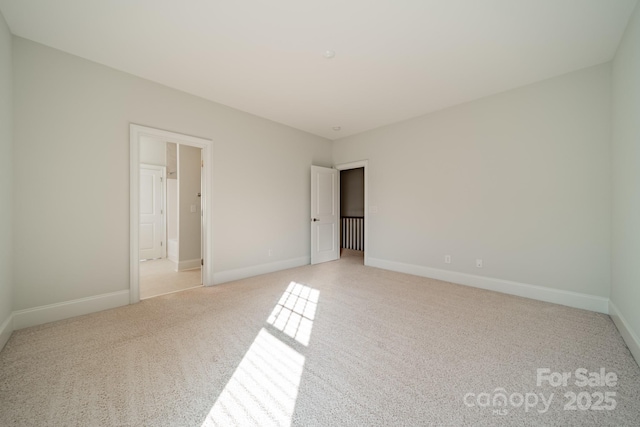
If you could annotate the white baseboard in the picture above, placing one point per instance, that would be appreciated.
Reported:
(64, 310)
(629, 336)
(5, 330)
(243, 273)
(189, 264)
(541, 293)
(172, 254)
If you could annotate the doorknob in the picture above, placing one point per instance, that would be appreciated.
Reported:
(315, 219)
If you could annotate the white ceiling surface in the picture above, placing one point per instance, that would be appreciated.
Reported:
(395, 59)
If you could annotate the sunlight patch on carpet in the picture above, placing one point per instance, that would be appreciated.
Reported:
(295, 312)
(264, 387)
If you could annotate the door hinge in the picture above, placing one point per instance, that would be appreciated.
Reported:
(160, 179)
(161, 243)
(201, 261)
(201, 163)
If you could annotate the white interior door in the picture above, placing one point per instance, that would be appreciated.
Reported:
(151, 212)
(325, 197)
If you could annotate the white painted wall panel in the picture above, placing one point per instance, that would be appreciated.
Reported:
(6, 177)
(189, 186)
(625, 287)
(153, 152)
(520, 179)
(75, 114)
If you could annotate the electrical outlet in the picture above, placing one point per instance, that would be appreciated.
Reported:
(479, 263)
(447, 259)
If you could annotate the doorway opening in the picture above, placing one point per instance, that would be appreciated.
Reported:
(354, 200)
(171, 219)
(352, 213)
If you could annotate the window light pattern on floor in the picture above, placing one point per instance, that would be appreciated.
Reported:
(264, 387)
(295, 312)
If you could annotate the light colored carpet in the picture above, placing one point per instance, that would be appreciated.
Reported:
(327, 345)
(158, 277)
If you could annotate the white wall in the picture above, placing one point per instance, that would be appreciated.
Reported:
(625, 287)
(76, 114)
(6, 177)
(172, 209)
(172, 192)
(153, 151)
(172, 160)
(189, 225)
(520, 179)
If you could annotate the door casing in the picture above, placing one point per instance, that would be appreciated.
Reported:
(135, 132)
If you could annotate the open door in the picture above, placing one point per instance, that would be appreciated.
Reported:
(325, 197)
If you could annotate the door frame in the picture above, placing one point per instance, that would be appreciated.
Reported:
(135, 132)
(163, 191)
(355, 165)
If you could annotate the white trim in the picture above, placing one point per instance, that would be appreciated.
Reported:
(354, 165)
(256, 270)
(628, 335)
(135, 132)
(172, 292)
(64, 310)
(6, 330)
(541, 293)
(177, 261)
(173, 256)
(188, 264)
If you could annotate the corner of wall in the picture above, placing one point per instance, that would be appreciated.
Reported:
(628, 335)
(6, 182)
(625, 152)
(6, 329)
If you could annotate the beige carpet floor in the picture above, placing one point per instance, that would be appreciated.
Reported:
(158, 277)
(327, 345)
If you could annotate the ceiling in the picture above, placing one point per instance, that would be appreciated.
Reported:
(394, 59)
